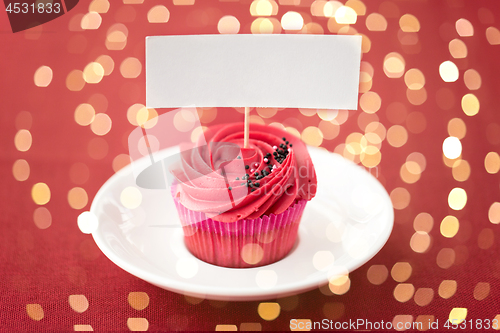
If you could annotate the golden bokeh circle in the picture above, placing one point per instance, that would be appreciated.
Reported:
(40, 193)
(77, 198)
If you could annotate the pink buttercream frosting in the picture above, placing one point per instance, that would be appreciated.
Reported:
(228, 182)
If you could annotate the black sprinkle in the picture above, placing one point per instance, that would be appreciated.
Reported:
(257, 184)
(284, 139)
(239, 157)
(275, 154)
(247, 167)
(237, 178)
(286, 142)
(256, 174)
(242, 183)
(291, 145)
(229, 188)
(253, 189)
(249, 181)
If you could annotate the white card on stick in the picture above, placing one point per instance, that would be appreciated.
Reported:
(305, 71)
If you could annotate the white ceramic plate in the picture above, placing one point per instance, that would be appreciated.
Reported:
(344, 226)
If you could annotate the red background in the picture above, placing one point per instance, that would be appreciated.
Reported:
(46, 266)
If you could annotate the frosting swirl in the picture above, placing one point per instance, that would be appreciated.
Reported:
(228, 182)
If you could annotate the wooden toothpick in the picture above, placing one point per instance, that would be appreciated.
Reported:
(247, 127)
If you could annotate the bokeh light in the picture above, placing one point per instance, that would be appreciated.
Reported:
(481, 290)
(376, 22)
(397, 136)
(447, 288)
(116, 37)
(492, 162)
(23, 140)
(120, 161)
(339, 284)
(107, 63)
(420, 242)
(423, 296)
(40, 193)
(423, 222)
(449, 226)
(461, 170)
(493, 35)
(370, 102)
(138, 300)
(445, 258)
(228, 25)
(252, 253)
(414, 79)
(377, 274)
(91, 21)
(87, 222)
(158, 14)
(464, 28)
(470, 104)
(485, 239)
(266, 279)
(75, 81)
(472, 79)
(93, 73)
(21, 170)
(35, 311)
(78, 303)
(263, 8)
(448, 71)
(84, 114)
(329, 8)
(345, 15)
(101, 124)
(312, 136)
(269, 311)
(409, 23)
(404, 292)
(42, 218)
(400, 198)
(494, 213)
(457, 199)
(99, 6)
(137, 324)
(457, 49)
(394, 65)
(401, 271)
(452, 147)
(292, 21)
(43, 76)
(457, 128)
(457, 315)
(77, 198)
(130, 68)
(131, 197)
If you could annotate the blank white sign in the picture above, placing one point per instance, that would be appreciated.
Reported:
(306, 71)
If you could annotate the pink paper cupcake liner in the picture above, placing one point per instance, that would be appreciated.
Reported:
(243, 243)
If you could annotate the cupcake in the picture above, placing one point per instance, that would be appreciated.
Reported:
(241, 207)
